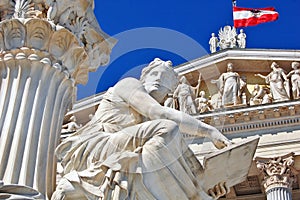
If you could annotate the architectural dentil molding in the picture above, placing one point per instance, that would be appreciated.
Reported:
(46, 48)
(277, 172)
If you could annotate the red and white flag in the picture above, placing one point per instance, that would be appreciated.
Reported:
(243, 17)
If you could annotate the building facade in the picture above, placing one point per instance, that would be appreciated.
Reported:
(274, 170)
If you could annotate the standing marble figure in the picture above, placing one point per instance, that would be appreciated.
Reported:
(278, 83)
(241, 39)
(185, 96)
(133, 147)
(213, 43)
(230, 85)
(295, 79)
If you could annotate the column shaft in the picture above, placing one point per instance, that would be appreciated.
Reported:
(279, 193)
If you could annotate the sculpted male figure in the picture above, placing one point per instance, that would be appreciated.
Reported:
(295, 79)
(133, 146)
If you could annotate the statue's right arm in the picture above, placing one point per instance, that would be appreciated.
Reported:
(133, 92)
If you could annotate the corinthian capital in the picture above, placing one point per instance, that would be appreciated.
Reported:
(277, 171)
(67, 29)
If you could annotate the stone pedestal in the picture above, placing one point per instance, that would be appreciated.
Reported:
(278, 176)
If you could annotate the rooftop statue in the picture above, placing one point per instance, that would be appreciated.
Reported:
(227, 37)
(133, 147)
(213, 43)
(241, 39)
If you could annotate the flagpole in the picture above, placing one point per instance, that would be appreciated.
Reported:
(233, 3)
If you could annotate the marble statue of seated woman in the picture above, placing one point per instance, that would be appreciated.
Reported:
(133, 146)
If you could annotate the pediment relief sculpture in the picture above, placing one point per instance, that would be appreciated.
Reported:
(231, 89)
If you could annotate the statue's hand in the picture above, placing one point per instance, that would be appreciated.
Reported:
(219, 140)
(218, 190)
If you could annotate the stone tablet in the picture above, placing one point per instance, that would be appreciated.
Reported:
(230, 165)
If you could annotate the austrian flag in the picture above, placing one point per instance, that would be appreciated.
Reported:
(243, 17)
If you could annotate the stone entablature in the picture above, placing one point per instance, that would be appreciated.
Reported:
(261, 118)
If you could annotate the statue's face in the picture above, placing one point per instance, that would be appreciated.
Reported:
(229, 68)
(273, 66)
(295, 65)
(159, 82)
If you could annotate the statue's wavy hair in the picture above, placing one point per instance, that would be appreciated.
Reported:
(157, 63)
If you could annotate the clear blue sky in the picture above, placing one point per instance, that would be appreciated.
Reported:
(179, 31)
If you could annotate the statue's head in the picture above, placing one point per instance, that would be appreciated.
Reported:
(274, 65)
(295, 65)
(201, 93)
(159, 79)
(256, 87)
(183, 80)
(229, 67)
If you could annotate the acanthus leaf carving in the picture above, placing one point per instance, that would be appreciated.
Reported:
(23, 8)
(278, 171)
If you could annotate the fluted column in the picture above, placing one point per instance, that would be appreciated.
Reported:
(34, 99)
(278, 176)
(279, 193)
(46, 48)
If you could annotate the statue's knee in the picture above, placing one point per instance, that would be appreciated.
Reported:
(171, 128)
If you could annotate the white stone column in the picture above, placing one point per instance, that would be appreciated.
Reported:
(46, 48)
(279, 193)
(278, 176)
(34, 99)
